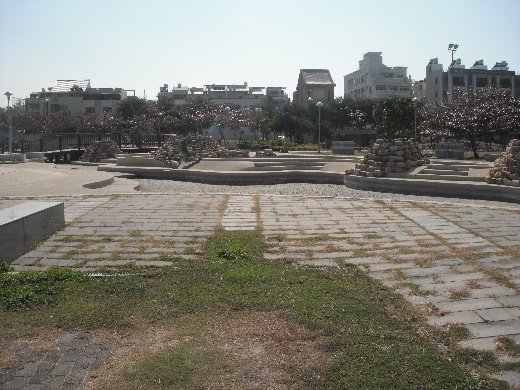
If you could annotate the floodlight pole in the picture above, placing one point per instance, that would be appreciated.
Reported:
(9, 121)
(452, 47)
(319, 105)
(415, 119)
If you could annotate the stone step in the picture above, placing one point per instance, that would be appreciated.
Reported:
(286, 168)
(445, 177)
(289, 163)
(444, 172)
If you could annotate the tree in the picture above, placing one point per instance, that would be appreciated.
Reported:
(293, 121)
(132, 107)
(231, 116)
(198, 115)
(394, 117)
(481, 115)
(260, 121)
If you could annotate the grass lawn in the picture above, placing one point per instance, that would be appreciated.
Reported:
(233, 320)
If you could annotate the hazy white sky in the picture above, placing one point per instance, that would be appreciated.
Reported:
(141, 45)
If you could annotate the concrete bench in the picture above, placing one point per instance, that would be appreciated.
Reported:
(23, 225)
(343, 147)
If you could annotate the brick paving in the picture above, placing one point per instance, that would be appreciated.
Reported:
(462, 263)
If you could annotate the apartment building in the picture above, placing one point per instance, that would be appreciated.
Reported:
(374, 80)
(239, 94)
(75, 97)
(440, 84)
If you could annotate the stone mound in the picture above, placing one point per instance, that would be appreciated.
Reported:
(390, 156)
(100, 150)
(506, 170)
(184, 152)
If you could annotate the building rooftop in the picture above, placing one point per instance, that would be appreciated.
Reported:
(316, 76)
(67, 85)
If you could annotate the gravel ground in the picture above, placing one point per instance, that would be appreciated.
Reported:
(304, 189)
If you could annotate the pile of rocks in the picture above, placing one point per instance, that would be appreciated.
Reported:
(100, 150)
(265, 153)
(185, 152)
(390, 156)
(506, 170)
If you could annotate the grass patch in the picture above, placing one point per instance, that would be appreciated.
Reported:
(135, 233)
(371, 338)
(459, 294)
(309, 240)
(509, 346)
(28, 289)
(155, 372)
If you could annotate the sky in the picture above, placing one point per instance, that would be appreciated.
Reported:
(141, 45)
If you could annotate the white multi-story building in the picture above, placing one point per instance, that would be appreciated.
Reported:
(239, 94)
(75, 97)
(441, 84)
(374, 80)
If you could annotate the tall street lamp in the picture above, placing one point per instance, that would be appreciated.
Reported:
(9, 121)
(319, 105)
(452, 47)
(415, 119)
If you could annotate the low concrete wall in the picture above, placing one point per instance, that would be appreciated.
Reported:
(35, 155)
(138, 160)
(15, 157)
(444, 188)
(23, 225)
(231, 177)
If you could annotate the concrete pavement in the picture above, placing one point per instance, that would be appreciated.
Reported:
(460, 263)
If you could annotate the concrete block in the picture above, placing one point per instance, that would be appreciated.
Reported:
(343, 147)
(14, 157)
(23, 225)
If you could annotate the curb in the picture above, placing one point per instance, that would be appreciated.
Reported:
(444, 188)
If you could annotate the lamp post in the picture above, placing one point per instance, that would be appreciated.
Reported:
(9, 121)
(319, 105)
(452, 48)
(415, 119)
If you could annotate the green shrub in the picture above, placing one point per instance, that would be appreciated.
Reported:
(4, 267)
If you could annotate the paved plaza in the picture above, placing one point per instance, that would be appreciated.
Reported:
(459, 262)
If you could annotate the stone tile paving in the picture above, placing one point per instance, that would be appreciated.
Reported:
(240, 213)
(64, 361)
(147, 231)
(460, 262)
(432, 254)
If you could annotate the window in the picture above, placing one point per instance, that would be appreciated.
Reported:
(380, 87)
(458, 81)
(482, 82)
(107, 109)
(505, 83)
(393, 88)
(90, 110)
(404, 89)
(436, 80)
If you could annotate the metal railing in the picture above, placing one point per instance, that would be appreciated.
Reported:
(82, 141)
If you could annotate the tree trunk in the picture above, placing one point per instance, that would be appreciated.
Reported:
(474, 148)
